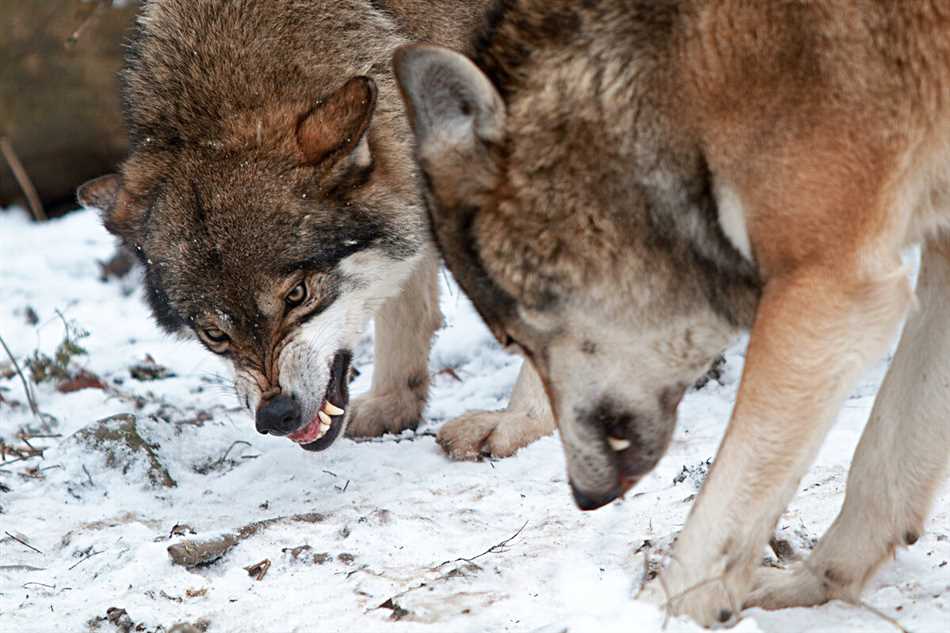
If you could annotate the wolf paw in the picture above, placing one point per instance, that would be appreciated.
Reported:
(795, 586)
(373, 416)
(713, 602)
(497, 434)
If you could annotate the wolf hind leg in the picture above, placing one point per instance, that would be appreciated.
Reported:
(898, 465)
(404, 325)
(501, 433)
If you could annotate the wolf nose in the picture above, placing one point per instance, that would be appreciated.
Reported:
(592, 501)
(278, 416)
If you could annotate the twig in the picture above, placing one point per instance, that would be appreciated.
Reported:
(18, 459)
(88, 476)
(23, 179)
(31, 447)
(84, 559)
(90, 17)
(21, 568)
(26, 385)
(391, 602)
(398, 612)
(494, 549)
(22, 542)
(66, 327)
(228, 452)
(41, 584)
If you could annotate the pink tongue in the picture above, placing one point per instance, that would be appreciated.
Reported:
(308, 432)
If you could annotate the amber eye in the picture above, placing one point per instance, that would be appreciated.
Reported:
(216, 337)
(296, 296)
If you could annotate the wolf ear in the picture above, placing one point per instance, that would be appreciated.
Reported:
(120, 216)
(99, 193)
(451, 104)
(336, 125)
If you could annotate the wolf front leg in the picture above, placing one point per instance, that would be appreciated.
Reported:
(898, 465)
(815, 331)
(405, 325)
(501, 433)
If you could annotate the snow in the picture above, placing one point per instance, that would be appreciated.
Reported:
(394, 509)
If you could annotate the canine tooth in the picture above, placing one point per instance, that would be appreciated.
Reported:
(618, 444)
(324, 418)
(332, 409)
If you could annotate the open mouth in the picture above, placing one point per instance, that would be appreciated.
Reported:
(325, 426)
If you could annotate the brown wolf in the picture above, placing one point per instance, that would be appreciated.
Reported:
(622, 185)
(272, 198)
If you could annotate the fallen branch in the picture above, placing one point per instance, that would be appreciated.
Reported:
(195, 552)
(23, 179)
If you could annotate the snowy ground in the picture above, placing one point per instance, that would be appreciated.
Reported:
(94, 535)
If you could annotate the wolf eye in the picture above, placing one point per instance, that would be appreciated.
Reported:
(296, 296)
(215, 336)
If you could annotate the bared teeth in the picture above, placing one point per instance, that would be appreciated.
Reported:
(332, 409)
(618, 444)
(324, 419)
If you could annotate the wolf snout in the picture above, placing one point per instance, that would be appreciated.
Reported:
(278, 416)
(612, 448)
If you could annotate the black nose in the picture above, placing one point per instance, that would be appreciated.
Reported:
(279, 416)
(587, 501)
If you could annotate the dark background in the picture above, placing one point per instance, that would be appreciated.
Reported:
(60, 116)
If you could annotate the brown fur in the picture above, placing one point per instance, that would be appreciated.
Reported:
(642, 179)
(269, 156)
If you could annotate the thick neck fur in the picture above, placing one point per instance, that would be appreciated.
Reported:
(594, 87)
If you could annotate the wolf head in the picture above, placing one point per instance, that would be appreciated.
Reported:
(550, 206)
(274, 256)
(269, 194)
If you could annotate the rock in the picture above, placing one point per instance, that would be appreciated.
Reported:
(149, 370)
(118, 438)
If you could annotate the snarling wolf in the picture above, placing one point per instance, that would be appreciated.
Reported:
(620, 186)
(272, 198)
